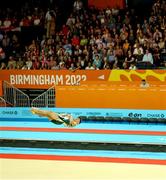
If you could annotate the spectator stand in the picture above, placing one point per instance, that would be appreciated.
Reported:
(118, 37)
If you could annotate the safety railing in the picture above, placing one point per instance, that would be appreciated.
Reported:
(46, 99)
(14, 96)
(2, 102)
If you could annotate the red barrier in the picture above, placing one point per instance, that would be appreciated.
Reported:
(102, 4)
(1, 94)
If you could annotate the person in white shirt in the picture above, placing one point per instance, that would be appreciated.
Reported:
(144, 84)
(157, 35)
(148, 57)
(78, 5)
(89, 67)
(132, 67)
(7, 23)
(138, 50)
(50, 22)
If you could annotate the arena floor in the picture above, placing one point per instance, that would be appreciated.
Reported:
(16, 169)
(71, 164)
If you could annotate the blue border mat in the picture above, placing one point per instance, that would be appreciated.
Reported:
(103, 126)
(94, 153)
(82, 137)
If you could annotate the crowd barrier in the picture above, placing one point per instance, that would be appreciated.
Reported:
(96, 89)
(108, 96)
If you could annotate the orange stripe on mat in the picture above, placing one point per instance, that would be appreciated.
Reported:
(72, 130)
(84, 158)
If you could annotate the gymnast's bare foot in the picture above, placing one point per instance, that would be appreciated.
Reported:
(34, 110)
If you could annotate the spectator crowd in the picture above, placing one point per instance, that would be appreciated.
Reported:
(90, 39)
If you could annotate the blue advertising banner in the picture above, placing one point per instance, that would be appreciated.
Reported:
(25, 113)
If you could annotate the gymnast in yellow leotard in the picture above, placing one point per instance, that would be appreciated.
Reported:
(56, 118)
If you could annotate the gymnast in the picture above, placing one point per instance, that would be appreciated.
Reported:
(56, 118)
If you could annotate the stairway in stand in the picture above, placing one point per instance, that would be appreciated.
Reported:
(33, 93)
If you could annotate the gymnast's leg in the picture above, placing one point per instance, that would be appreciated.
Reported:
(49, 114)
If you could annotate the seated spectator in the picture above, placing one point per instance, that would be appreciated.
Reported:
(119, 52)
(144, 84)
(161, 44)
(148, 57)
(7, 23)
(83, 41)
(75, 40)
(78, 5)
(15, 44)
(5, 41)
(11, 63)
(156, 56)
(138, 52)
(28, 63)
(89, 67)
(132, 67)
(2, 55)
(110, 57)
(25, 22)
(85, 51)
(36, 21)
(125, 65)
(131, 37)
(105, 63)
(3, 66)
(126, 46)
(62, 66)
(130, 58)
(72, 67)
(97, 61)
(36, 64)
(67, 47)
(95, 67)
(115, 65)
(70, 21)
(55, 66)
(157, 35)
(32, 46)
(19, 63)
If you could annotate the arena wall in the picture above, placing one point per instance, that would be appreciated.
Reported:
(108, 96)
